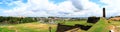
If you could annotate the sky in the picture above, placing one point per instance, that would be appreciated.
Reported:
(59, 8)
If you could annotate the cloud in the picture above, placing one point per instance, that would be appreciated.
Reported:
(69, 8)
(112, 7)
(39, 8)
(45, 8)
(87, 8)
(77, 4)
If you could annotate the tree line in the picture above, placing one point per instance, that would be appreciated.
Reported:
(17, 20)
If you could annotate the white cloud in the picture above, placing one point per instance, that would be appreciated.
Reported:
(40, 8)
(72, 8)
(113, 7)
(88, 9)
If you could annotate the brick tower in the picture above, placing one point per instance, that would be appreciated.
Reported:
(104, 12)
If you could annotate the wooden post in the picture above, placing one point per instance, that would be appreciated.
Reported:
(104, 12)
(50, 29)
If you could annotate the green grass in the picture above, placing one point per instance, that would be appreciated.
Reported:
(28, 27)
(34, 27)
(78, 22)
(100, 26)
(74, 22)
(6, 30)
(116, 23)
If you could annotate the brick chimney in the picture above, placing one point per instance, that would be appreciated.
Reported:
(104, 12)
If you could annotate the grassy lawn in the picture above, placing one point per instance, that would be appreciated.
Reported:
(78, 22)
(100, 26)
(6, 30)
(116, 23)
(34, 27)
(28, 27)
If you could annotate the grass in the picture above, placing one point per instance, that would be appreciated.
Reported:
(34, 27)
(72, 23)
(6, 30)
(28, 27)
(116, 23)
(100, 26)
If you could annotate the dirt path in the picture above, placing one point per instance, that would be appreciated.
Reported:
(117, 28)
(114, 28)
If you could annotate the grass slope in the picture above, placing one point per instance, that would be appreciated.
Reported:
(100, 26)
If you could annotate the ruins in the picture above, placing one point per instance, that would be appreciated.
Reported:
(63, 28)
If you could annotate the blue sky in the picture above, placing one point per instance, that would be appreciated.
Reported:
(95, 1)
(57, 1)
(5, 3)
(8, 7)
(5, 6)
(98, 2)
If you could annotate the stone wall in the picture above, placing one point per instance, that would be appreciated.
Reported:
(63, 28)
(93, 19)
